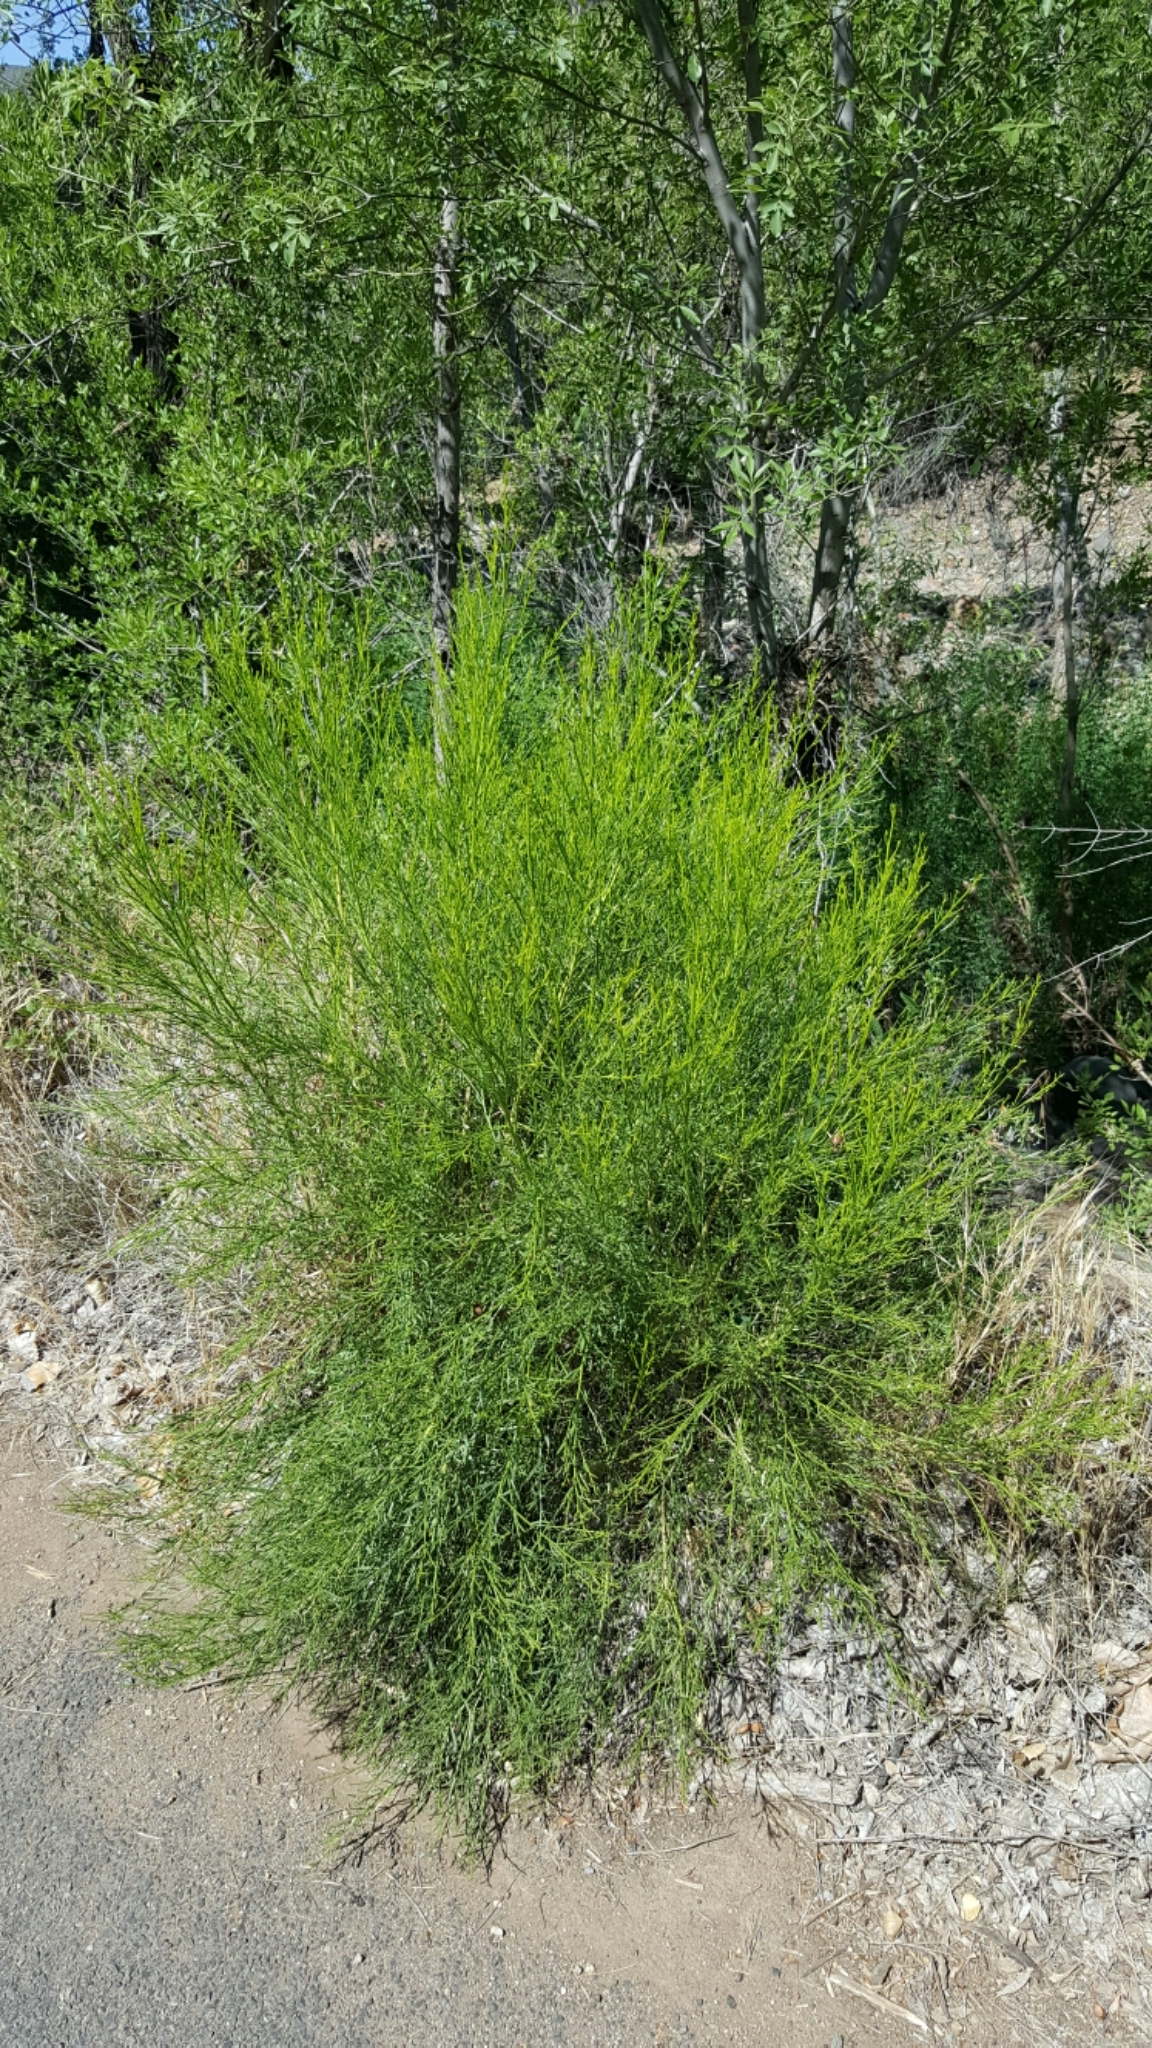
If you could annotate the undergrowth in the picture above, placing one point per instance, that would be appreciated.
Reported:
(973, 770)
(590, 1111)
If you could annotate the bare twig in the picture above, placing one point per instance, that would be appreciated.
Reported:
(1073, 988)
(1020, 894)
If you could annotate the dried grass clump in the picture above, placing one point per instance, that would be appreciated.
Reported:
(1062, 1274)
(1069, 1285)
(62, 1195)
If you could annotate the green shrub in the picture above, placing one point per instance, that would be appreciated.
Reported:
(584, 1112)
(973, 771)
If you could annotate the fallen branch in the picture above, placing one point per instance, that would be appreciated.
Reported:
(876, 1999)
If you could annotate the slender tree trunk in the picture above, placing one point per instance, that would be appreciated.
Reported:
(446, 520)
(524, 407)
(715, 577)
(95, 33)
(838, 513)
(1066, 682)
(115, 23)
(267, 26)
(642, 425)
(748, 21)
(1065, 679)
(838, 510)
(844, 88)
(742, 232)
(754, 315)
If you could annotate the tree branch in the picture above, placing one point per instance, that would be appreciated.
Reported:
(741, 241)
(1087, 219)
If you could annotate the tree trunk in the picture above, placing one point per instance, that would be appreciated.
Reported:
(844, 87)
(1065, 680)
(524, 407)
(742, 232)
(95, 33)
(115, 23)
(838, 510)
(748, 21)
(754, 315)
(836, 515)
(715, 575)
(266, 38)
(642, 425)
(446, 520)
(758, 569)
(1066, 683)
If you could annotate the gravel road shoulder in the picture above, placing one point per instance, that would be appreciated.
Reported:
(166, 1874)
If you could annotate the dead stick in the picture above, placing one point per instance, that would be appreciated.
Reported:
(875, 1998)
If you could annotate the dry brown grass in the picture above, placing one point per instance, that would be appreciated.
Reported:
(61, 1195)
(1065, 1275)
(1069, 1277)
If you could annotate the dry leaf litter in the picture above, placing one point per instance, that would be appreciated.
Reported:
(1006, 1812)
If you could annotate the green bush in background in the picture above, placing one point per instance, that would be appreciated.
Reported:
(972, 770)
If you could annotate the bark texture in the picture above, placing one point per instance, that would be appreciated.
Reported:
(742, 231)
(267, 38)
(1065, 677)
(715, 580)
(446, 464)
(838, 511)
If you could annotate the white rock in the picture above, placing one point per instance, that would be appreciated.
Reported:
(1031, 1645)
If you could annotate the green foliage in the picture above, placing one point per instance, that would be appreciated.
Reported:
(973, 765)
(599, 1113)
(215, 281)
(588, 1114)
(1127, 1138)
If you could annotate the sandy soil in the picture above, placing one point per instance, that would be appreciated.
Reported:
(168, 1872)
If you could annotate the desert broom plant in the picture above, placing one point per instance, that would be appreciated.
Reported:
(589, 1109)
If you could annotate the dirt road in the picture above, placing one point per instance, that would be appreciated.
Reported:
(164, 1873)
